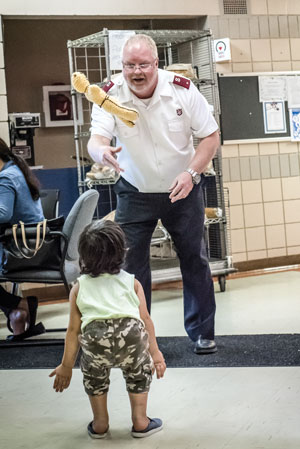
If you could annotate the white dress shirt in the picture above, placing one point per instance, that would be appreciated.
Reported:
(160, 145)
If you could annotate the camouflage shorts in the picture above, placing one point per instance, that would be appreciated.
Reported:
(122, 343)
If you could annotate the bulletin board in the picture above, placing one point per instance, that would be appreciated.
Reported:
(242, 117)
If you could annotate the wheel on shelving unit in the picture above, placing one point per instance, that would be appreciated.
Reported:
(222, 283)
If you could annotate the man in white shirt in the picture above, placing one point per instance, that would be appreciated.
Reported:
(160, 175)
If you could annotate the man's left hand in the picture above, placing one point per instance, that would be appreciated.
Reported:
(181, 187)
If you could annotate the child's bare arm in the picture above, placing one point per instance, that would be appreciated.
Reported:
(63, 372)
(157, 356)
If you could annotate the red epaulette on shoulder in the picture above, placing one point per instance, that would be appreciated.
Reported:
(181, 81)
(108, 86)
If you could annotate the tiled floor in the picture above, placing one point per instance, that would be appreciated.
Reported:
(207, 408)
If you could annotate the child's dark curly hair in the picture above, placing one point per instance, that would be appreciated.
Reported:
(101, 248)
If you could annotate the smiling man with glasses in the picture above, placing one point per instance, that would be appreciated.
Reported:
(140, 69)
(160, 175)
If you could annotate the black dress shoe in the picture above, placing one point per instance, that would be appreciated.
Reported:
(204, 346)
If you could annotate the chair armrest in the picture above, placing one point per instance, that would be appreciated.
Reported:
(64, 244)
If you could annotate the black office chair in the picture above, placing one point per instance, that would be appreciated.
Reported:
(80, 215)
(50, 202)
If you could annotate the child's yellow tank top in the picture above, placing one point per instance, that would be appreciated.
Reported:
(106, 297)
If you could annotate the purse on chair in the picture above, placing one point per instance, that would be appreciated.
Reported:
(32, 246)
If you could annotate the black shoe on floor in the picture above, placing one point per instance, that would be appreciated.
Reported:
(204, 346)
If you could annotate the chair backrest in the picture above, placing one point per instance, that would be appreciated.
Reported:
(79, 216)
(50, 202)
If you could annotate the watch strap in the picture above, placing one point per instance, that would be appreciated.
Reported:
(195, 175)
(191, 172)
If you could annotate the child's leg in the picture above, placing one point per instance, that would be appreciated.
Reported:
(95, 366)
(136, 364)
(99, 407)
(138, 402)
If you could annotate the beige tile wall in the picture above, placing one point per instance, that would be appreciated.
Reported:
(265, 213)
(260, 50)
(268, 39)
(295, 47)
(275, 7)
(263, 178)
(258, 7)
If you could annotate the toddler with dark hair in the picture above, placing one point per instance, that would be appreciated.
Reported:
(110, 321)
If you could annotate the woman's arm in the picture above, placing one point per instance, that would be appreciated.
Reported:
(63, 372)
(7, 201)
(157, 356)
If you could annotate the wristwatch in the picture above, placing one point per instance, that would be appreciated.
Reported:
(196, 177)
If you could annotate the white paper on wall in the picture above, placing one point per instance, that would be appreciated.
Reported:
(272, 88)
(274, 117)
(117, 39)
(293, 91)
(222, 50)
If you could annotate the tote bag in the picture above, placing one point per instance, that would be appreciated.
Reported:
(33, 246)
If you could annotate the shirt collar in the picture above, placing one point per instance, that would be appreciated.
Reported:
(8, 164)
(163, 88)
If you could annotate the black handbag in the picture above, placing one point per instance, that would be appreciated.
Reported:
(32, 246)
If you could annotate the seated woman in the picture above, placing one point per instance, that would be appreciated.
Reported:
(19, 200)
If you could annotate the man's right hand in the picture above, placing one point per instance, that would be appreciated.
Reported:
(109, 157)
(101, 151)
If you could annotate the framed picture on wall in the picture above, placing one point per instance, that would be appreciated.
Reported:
(57, 105)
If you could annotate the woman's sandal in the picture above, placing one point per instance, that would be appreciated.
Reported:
(32, 308)
(37, 329)
(33, 329)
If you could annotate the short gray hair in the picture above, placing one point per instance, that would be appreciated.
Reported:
(143, 38)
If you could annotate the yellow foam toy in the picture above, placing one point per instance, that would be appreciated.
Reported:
(97, 95)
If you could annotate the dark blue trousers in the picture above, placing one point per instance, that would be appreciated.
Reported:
(138, 213)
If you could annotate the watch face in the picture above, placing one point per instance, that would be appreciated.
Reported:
(196, 178)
